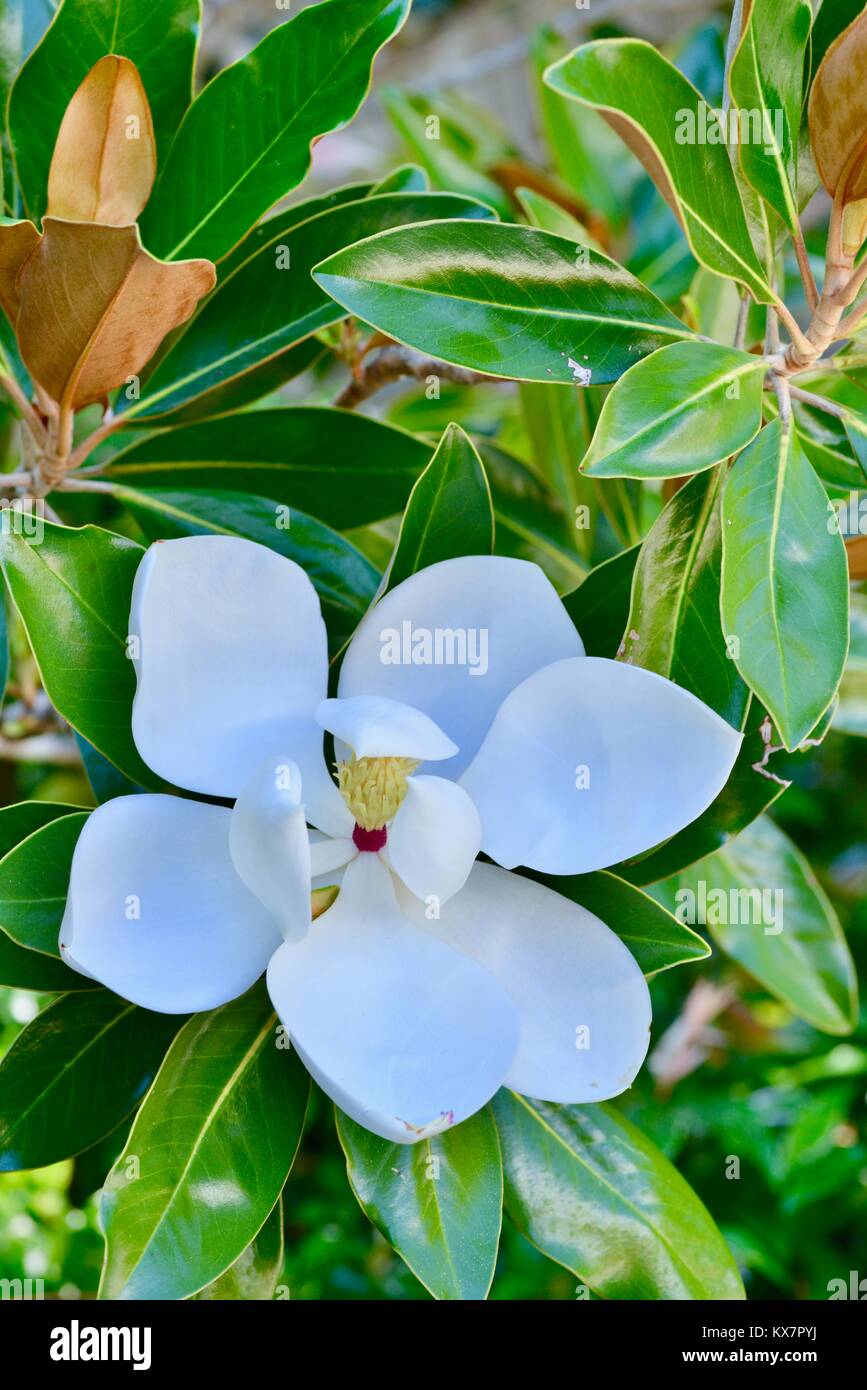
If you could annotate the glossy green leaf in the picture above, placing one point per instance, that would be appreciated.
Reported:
(764, 907)
(74, 1073)
(207, 1173)
(766, 77)
(343, 577)
(160, 38)
(655, 937)
(73, 592)
(248, 134)
(615, 76)
(683, 409)
(674, 625)
(343, 468)
(268, 303)
(449, 511)
(599, 607)
(850, 715)
(254, 1275)
(438, 1202)
(34, 879)
(505, 300)
(530, 522)
(591, 1192)
(785, 582)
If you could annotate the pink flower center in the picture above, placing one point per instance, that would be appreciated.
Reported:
(369, 841)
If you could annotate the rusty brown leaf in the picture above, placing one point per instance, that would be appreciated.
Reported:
(838, 123)
(105, 158)
(94, 307)
(17, 241)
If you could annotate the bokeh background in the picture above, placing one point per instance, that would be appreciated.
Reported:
(732, 1072)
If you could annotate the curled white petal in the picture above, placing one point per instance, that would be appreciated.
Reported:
(374, 727)
(434, 839)
(269, 844)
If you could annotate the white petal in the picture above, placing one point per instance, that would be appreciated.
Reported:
(488, 621)
(377, 728)
(583, 1002)
(156, 910)
(406, 1035)
(233, 661)
(434, 839)
(593, 761)
(269, 844)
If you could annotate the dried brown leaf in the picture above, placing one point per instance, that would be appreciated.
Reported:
(95, 306)
(17, 242)
(838, 113)
(105, 157)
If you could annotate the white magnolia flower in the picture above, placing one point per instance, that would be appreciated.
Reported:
(467, 719)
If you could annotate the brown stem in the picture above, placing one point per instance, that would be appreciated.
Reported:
(87, 446)
(803, 259)
(818, 402)
(395, 363)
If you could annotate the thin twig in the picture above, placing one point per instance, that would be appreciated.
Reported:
(394, 363)
(818, 402)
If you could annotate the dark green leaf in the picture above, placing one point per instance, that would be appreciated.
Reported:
(683, 409)
(344, 468)
(344, 579)
(245, 142)
(34, 878)
(599, 607)
(106, 781)
(73, 591)
(693, 174)
(785, 582)
(160, 38)
(438, 1202)
(74, 1073)
(655, 937)
(506, 300)
(197, 1181)
(674, 623)
(591, 1192)
(267, 303)
(449, 511)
